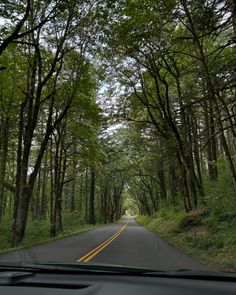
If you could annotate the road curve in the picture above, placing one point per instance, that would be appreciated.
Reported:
(124, 243)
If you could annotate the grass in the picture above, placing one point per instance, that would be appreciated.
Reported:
(198, 234)
(37, 231)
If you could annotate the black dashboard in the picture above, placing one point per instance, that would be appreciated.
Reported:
(76, 284)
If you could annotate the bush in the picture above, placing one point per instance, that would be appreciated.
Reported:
(73, 220)
(193, 218)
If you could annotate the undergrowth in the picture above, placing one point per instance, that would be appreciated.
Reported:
(38, 231)
(208, 233)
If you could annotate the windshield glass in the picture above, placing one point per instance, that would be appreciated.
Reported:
(118, 133)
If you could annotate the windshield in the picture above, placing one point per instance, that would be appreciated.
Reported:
(118, 133)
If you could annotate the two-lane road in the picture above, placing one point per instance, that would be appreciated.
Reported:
(123, 243)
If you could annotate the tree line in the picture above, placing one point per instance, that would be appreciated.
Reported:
(50, 121)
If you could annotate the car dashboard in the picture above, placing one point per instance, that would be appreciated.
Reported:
(116, 284)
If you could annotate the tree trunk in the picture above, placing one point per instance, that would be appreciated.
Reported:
(3, 160)
(211, 144)
(232, 5)
(86, 195)
(81, 193)
(91, 217)
(173, 183)
(44, 201)
(162, 182)
(72, 200)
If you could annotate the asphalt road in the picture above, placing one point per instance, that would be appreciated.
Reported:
(123, 243)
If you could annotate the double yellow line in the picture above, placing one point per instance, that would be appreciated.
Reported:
(87, 257)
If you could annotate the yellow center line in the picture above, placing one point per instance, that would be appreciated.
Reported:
(87, 257)
(101, 245)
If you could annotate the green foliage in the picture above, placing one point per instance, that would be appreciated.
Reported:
(38, 231)
(207, 233)
(129, 207)
(220, 198)
(143, 219)
(73, 220)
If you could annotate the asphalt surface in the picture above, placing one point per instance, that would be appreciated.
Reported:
(124, 243)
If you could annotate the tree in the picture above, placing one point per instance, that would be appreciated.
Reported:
(37, 97)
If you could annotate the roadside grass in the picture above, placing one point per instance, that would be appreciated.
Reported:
(38, 231)
(193, 233)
